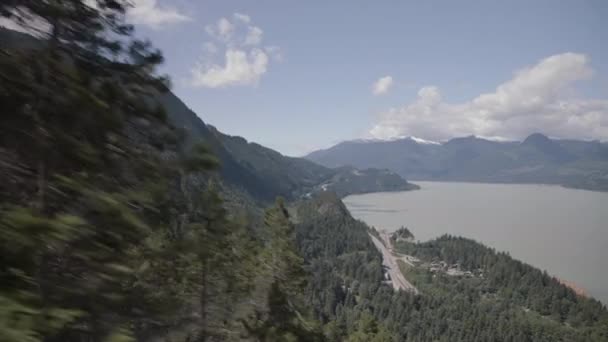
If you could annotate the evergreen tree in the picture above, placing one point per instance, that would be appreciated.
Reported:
(285, 316)
(75, 104)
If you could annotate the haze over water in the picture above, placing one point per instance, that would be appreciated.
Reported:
(564, 231)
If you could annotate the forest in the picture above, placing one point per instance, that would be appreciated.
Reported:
(112, 223)
(117, 225)
(510, 301)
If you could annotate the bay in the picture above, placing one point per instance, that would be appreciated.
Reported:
(563, 231)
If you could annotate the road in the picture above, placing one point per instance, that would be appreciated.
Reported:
(386, 240)
(390, 262)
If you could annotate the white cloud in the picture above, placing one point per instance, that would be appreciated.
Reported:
(274, 52)
(152, 14)
(241, 68)
(142, 12)
(254, 35)
(382, 85)
(537, 99)
(210, 48)
(236, 32)
(242, 17)
(24, 21)
(224, 29)
(244, 61)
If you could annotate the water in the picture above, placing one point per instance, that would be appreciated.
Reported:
(563, 231)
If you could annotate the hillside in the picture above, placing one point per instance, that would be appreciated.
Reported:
(537, 159)
(113, 222)
(264, 173)
(247, 168)
(479, 295)
(124, 217)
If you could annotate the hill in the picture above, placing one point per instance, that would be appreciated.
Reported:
(468, 292)
(113, 227)
(112, 216)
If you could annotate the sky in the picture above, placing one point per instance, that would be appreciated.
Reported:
(302, 75)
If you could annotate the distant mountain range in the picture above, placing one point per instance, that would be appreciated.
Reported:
(265, 174)
(537, 159)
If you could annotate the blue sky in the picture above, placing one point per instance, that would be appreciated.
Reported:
(302, 73)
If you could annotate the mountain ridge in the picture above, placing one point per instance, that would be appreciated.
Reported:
(536, 159)
(265, 173)
(249, 168)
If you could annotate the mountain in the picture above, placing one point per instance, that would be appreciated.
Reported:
(113, 229)
(251, 169)
(264, 173)
(550, 148)
(537, 159)
(349, 180)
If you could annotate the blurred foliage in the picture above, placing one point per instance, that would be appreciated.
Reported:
(113, 227)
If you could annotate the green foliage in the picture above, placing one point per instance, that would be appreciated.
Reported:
(402, 234)
(510, 302)
(284, 318)
(113, 228)
(348, 180)
(200, 158)
(517, 283)
(368, 330)
(265, 174)
(72, 209)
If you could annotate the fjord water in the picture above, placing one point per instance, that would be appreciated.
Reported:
(563, 231)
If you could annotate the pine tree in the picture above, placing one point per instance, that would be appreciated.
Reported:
(285, 317)
(76, 104)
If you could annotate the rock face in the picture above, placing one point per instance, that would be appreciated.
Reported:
(576, 288)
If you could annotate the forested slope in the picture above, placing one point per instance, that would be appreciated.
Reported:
(500, 300)
(113, 226)
(264, 173)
